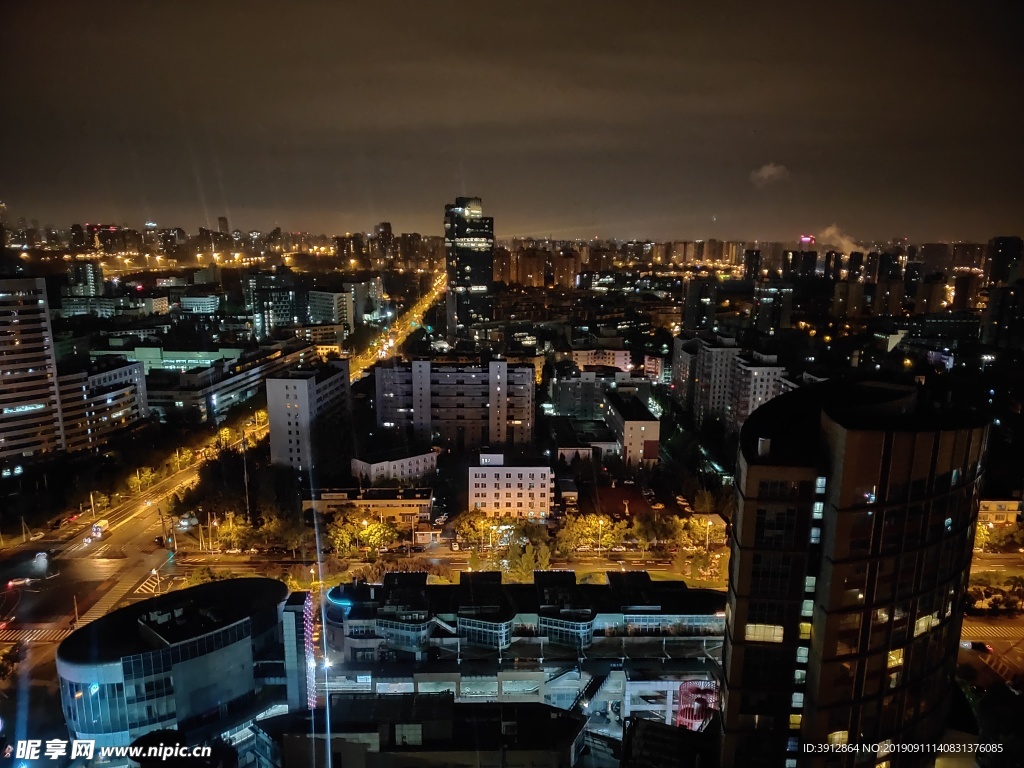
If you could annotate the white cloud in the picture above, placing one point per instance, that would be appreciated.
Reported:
(769, 173)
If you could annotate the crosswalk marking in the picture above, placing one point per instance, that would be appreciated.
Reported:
(33, 635)
(975, 631)
(998, 666)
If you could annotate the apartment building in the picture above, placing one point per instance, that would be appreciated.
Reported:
(98, 400)
(296, 398)
(461, 406)
(756, 379)
(636, 429)
(716, 356)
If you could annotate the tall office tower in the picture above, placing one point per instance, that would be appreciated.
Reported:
(808, 263)
(410, 250)
(276, 301)
(851, 548)
(752, 264)
(912, 277)
(30, 421)
(1002, 257)
(773, 306)
(222, 225)
(469, 242)
(85, 278)
(700, 300)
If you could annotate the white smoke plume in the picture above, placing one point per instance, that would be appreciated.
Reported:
(769, 173)
(833, 236)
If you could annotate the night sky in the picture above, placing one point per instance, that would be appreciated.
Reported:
(626, 119)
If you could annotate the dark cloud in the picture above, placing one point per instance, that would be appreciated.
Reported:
(616, 119)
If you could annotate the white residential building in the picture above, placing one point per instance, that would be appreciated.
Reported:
(715, 359)
(458, 405)
(99, 400)
(506, 490)
(295, 399)
(756, 379)
(405, 466)
(200, 305)
(332, 308)
(616, 358)
(636, 429)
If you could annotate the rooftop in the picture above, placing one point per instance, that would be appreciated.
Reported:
(629, 407)
(789, 419)
(170, 618)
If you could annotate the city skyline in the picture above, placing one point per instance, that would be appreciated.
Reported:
(729, 124)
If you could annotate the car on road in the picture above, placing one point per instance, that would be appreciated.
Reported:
(59, 523)
(584, 548)
(979, 647)
(42, 555)
(252, 551)
(618, 548)
(36, 536)
(20, 581)
(277, 551)
(657, 505)
(455, 546)
(87, 540)
(233, 551)
(6, 621)
(627, 481)
(72, 518)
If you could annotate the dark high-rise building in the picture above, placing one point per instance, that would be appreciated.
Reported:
(833, 265)
(469, 242)
(889, 266)
(936, 257)
(222, 225)
(1003, 324)
(1002, 257)
(855, 265)
(752, 264)
(85, 278)
(968, 255)
(912, 277)
(385, 239)
(773, 307)
(856, 507)
(699, 304)
(966, 288)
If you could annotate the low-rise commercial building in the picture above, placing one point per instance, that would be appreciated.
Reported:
(201, 660)
(510, 489)
(400, 506)
(404, 465)
(208, 393)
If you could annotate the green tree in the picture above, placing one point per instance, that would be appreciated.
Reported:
(204, 575)
(147, 476)
(343, 536)
(982, 536)
(474, 561)
(474, 527)
(100, 500)
(134, 483)
(377, 535)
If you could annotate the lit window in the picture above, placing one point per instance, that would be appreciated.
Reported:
(805, 630)
(794, 721)
(809, 583)
(819, 508)
(819, 485)
(807, 608)
(800, 676)
(895, 657)
(802, 654)
(798, 700)
(764, 633)
(839, 737)
(815, 535)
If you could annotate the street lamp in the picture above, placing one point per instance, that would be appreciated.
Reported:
(600, 535)
(707, 536)
(156, 573)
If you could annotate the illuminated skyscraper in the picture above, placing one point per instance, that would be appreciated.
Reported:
(469, 242)
(30, 423)
(856, 507)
